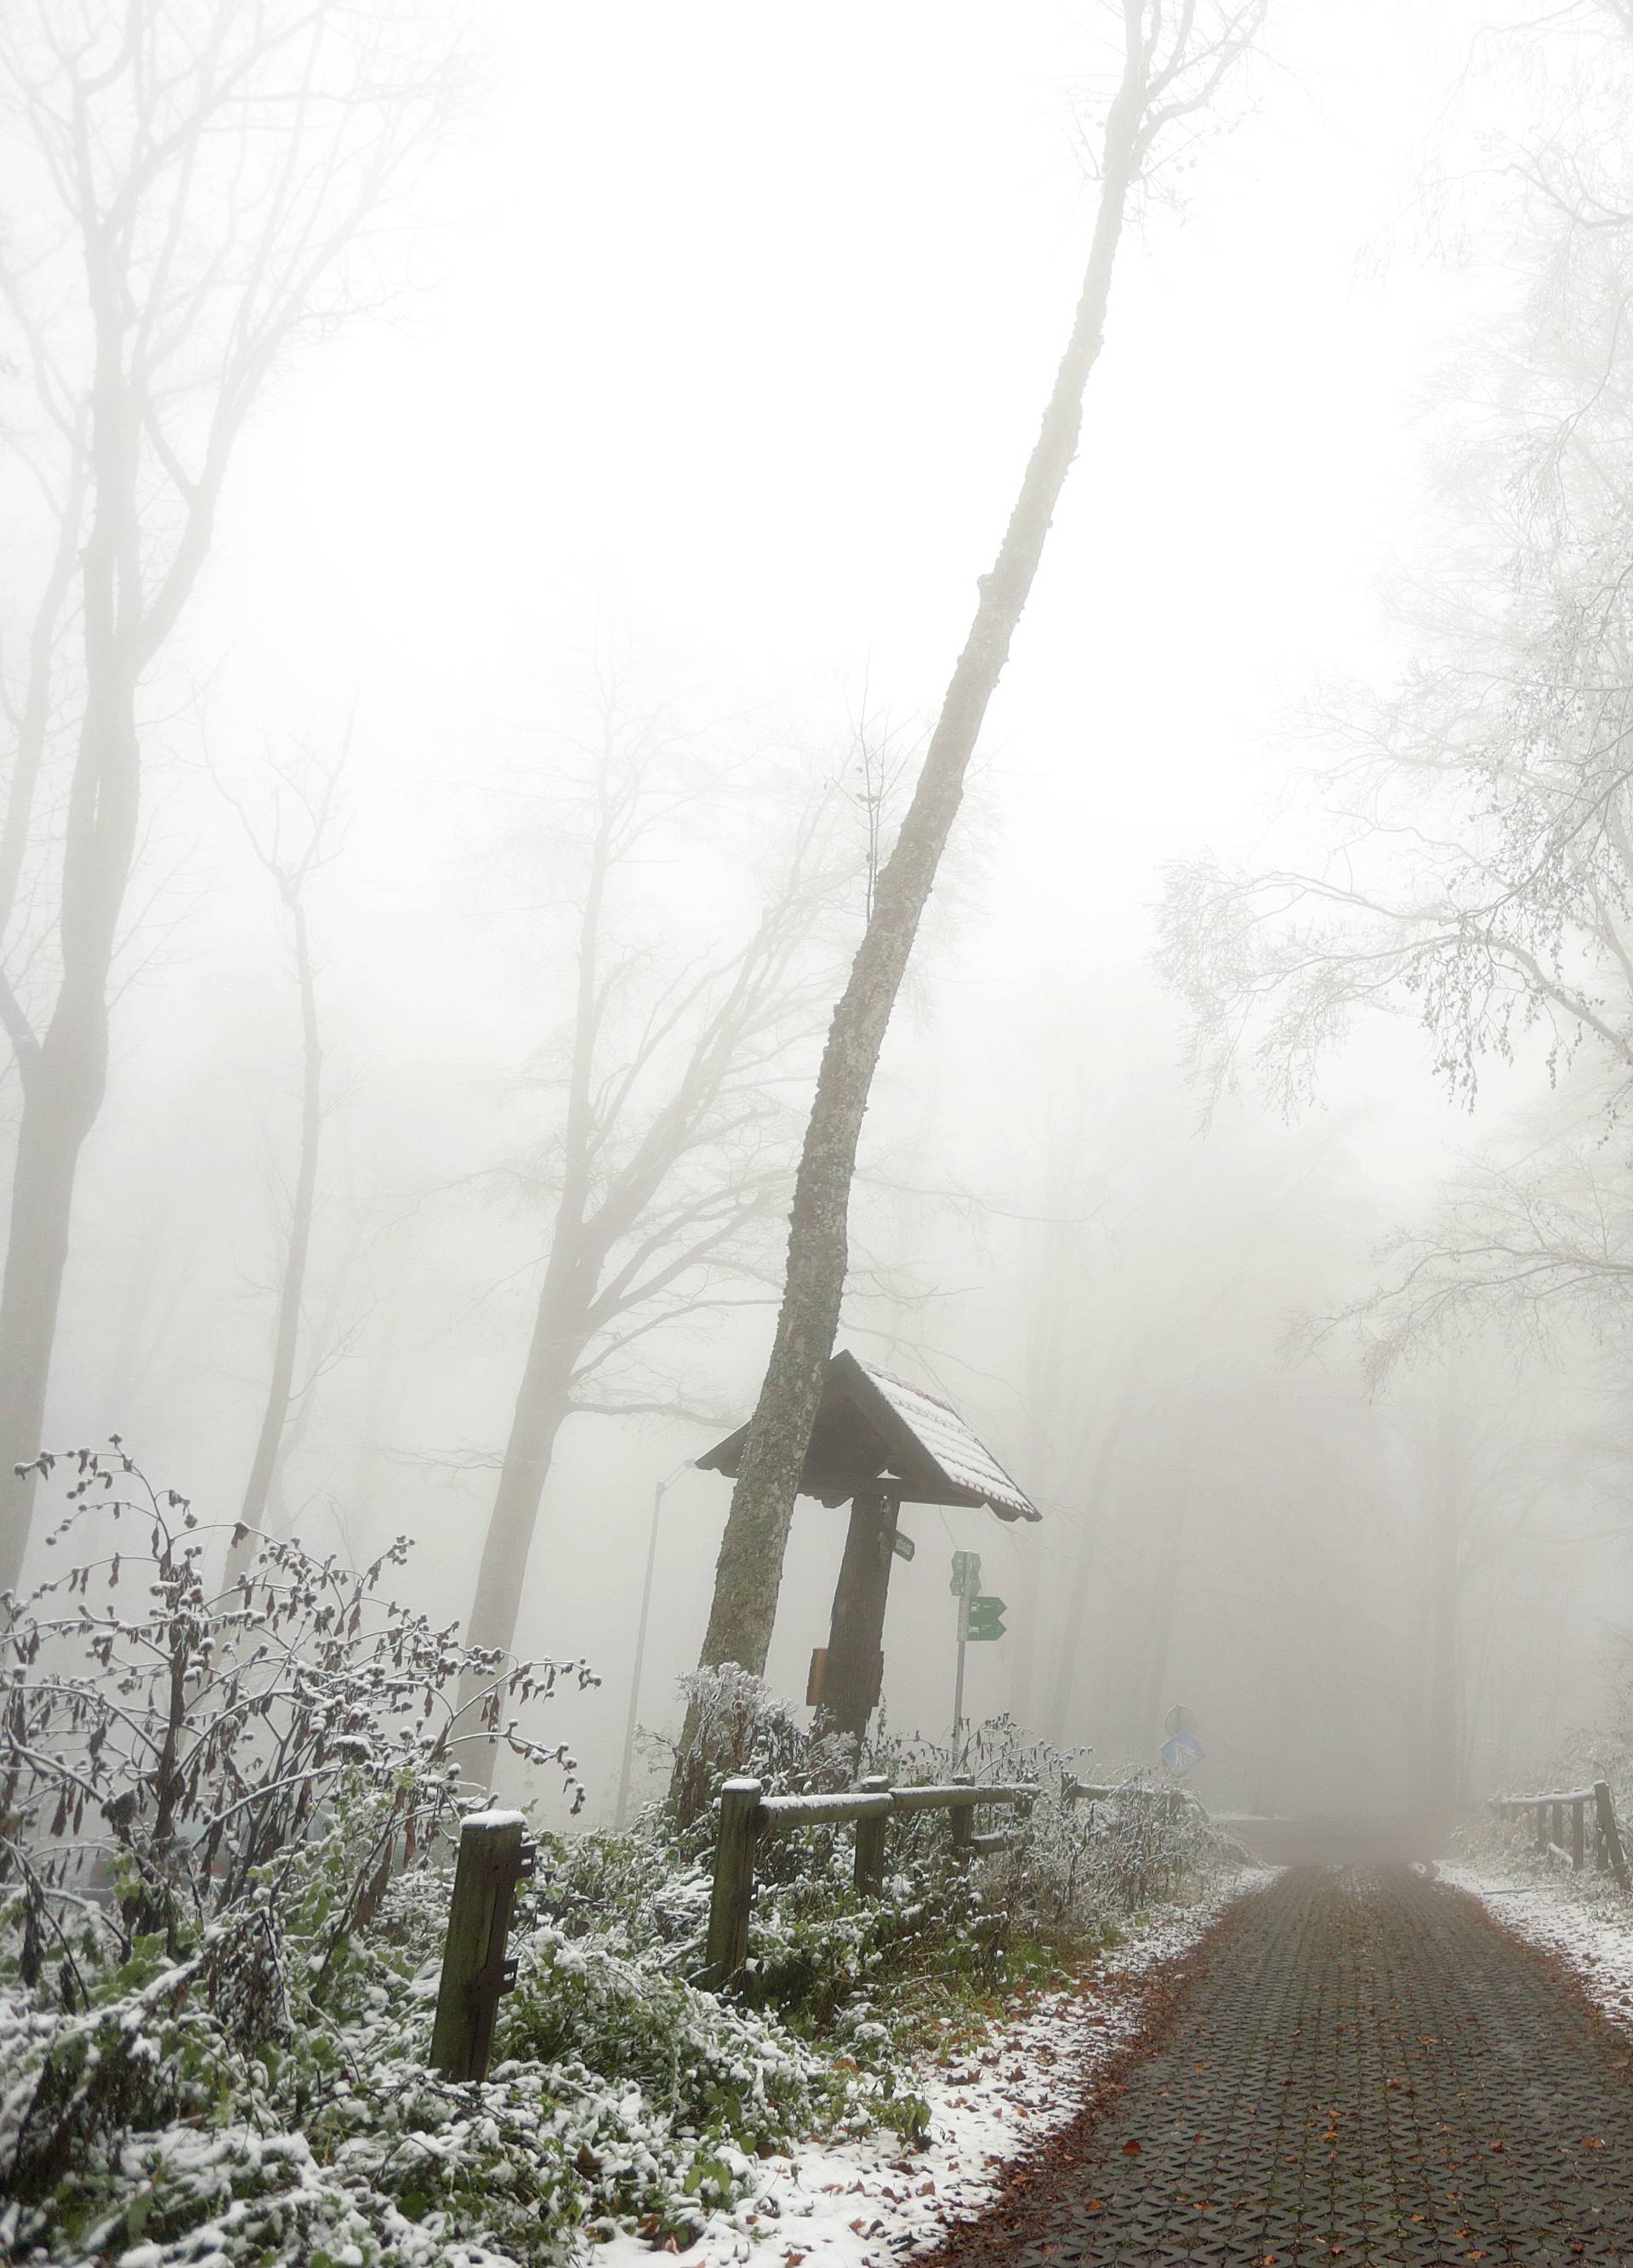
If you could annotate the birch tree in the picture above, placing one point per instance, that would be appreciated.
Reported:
(190, 181)
(1176, 55)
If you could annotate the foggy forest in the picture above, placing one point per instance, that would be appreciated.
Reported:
(816, 961)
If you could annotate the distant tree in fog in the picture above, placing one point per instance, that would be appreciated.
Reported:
(1472, 868)
(670, 1152)
(293, 835)
(189, 178)
(1173, 62)
(1534, 1237)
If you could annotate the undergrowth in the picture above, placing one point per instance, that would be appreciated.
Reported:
(218, 1985)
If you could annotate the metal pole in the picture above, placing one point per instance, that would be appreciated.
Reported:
(957, 1689)
(621, 1809)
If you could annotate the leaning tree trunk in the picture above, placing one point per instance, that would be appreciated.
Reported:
(291, 1293)
(749, 1571)
(544, 1404)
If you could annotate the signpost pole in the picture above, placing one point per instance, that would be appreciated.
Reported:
(957, 1687)
(621, 1810)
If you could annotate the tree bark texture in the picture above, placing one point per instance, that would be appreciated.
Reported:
(749, 1575)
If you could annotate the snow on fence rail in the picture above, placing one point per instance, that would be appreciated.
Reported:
(494, 1855)
(746, 1813)
(1549, 1813)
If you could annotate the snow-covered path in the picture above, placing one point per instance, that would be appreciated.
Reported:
(857, 2205)
(1591, 1936)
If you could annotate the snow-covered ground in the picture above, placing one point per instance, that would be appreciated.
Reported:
(859, 2204)
(1589, 1930)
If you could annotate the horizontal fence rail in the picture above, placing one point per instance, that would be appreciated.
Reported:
(495, 1855)
(1172, 1801)
(746, 1813)
(1549, 1815)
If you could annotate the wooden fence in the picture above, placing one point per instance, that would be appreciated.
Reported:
(494, 1855)
(746, 1813)
(1549, 1815)
(1170, 1802)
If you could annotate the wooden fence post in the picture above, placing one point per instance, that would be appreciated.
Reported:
(1578, 1833)
(493, 1857)
(962, 1821)
(734, 1881)
(869, 1874)
(1605, 1811)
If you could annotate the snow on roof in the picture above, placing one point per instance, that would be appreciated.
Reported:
(962, 1456)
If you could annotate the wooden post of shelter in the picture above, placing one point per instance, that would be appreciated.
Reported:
(854, 1673)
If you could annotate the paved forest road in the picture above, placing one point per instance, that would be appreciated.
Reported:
(1362, 2067)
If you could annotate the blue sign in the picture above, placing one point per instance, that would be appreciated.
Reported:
(1182, 1753)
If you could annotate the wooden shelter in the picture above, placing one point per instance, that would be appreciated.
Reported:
(878, 1443)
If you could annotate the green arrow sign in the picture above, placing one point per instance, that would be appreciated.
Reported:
(986, 1621)
(966, 1574)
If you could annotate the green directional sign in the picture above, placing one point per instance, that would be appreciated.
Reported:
(986, 1618)
(966, 1574)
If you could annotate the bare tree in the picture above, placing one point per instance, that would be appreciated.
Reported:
(1175, 59)
(672, 1148)
(203, 170)
(1473, 867)
(1531, 1238)
(1467, 852)
(293, 840)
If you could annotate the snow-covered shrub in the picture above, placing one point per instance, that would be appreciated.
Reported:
(218, 1966)
(168, 1741)
(1074, 1875)
(206, 1791)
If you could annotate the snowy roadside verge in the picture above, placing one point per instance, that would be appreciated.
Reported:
(859, 2204)
(1592, 1937)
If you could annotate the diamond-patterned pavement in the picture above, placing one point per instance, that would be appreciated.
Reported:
(1362, 2067)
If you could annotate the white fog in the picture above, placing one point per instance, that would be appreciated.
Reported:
(510, 650)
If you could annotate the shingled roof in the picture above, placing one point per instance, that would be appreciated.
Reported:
(874, 1426)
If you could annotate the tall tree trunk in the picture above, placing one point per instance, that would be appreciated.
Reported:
(543, 1403)
(1090, 1500)
(64, 1075)
(54, 1121)
(1443, 1743)
(749, 1571)
(1165, 1597)
(292, 1292)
